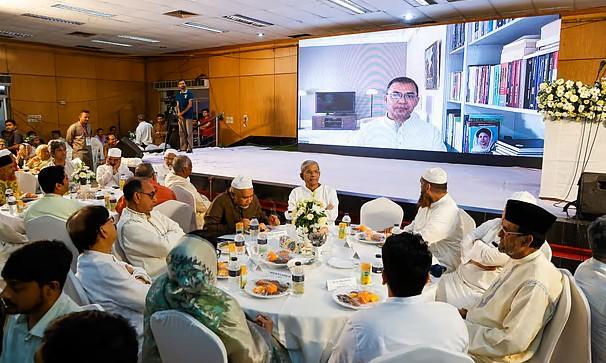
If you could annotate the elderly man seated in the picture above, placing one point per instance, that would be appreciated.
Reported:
(109, 174)
(310, 174)
(8, 178)
(167, 166)
(145, 171)
(238, 204)
(58, 151)
(55, 185)
(507, 324)
(481, 263)
(179, 177)
(591, 277)
(437, 219)
(145, 236)
(41, 160)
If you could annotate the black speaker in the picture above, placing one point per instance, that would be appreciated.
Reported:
(129, 148)
(591, 200)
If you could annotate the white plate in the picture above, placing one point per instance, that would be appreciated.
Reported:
(264, 260)
(344, 263)
(361, 237)
(251, 284)
(348, 290)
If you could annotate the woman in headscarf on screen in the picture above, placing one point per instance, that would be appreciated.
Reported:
(189, 286)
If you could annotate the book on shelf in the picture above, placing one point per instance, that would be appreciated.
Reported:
(456, 85)
(481, 132)
(481, 28)
(519, 147)
(453, 117)
(458, 36)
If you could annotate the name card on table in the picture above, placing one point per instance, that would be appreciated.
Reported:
(340, 283)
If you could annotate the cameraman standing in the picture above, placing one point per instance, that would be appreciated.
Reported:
(185, 112)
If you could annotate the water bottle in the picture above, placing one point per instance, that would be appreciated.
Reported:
(347, 220)
(240, 242)
(12, 204)
(298, 279)
(254, 228)
(377, 269)
(234, 273)
(7, 193)
(261, 243)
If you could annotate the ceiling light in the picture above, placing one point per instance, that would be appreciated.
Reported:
(8, 33)
(82, 10)
(260, 35)
(408, 17)
(242, 19)
(426, 2)
(191, 24)
(351, 6)
(53, 19)
(141, 39)
(111, 43)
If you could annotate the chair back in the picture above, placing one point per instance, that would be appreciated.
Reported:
(182, 339)
(553, 330)
(423, 354)
(73, 288)
(178, 212)
(51, 228)
(183, 195)
(97, 152)
(467, 223)
(27, 182)
(381, 213)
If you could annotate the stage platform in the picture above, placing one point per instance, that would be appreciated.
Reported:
(475, 188)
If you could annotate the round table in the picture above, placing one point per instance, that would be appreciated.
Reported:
(309, 325)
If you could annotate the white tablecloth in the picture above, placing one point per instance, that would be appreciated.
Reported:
(309, 325)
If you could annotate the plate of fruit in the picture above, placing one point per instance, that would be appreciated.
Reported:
(277, 259)
(357, 298)
(267, 288)
(370, 236)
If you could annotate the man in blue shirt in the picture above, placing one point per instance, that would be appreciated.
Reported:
(185, 111)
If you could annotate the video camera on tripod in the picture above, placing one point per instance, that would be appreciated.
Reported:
(171, 118)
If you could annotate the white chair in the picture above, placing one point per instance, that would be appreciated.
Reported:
(381, 213)
(423, 354)
(28, 183)
(554, 328)
(185, 196)
(97, 152)
(51, 228)
(178, 212)
(467, 223)
(73, 288)
(183, 339)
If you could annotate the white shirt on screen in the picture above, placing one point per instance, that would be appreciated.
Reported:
(591, 277)
(323, 193)
(144, 133)
(413, 134)
(398, 323)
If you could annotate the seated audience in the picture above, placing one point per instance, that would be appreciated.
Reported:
(12, 135)
(2, 144)
(109, 174)
(143, 132)
(310, 174)
(100, 135)
(179, 177)
(25, 153)
(159, 130)
(145, 236)
(58, 151)
(41, 160)
(55, 184)
(115, 285)
(437, 219)
(146, 171)
(56, 135)
(481, 263)
(189, 286)
(406, 318)
(507, 324)
(591, 277)
(238, 204)
(35, 275)
(8, 178)
(69, 339)
(166, 167)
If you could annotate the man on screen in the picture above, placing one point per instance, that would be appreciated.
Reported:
(400, 128)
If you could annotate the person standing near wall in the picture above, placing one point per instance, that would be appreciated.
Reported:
(78, 137)
(185, 111)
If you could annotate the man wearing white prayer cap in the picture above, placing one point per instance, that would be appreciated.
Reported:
(238, 204)
(437, 219)
(108, 174)
(163, 169)
(481, 262)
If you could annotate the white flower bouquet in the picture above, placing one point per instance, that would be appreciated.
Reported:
(309, 216)
(83, 175)
(566, 99)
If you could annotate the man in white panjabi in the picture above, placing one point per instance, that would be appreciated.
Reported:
(310, 173)
(401, 127)
(591, 277)
(109, 174)
(144, 132)
(507, 324)
(166, 167)
(145, 236)
(179, 177)
(438, 219)
(406, 318)
(481, 263)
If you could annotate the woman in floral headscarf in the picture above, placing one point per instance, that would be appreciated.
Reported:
(189, 286)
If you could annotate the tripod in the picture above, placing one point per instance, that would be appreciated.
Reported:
(171, 119)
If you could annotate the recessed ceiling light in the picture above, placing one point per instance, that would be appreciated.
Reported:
(82, 10)
(111, 43)
(53, 19)
(141, 39)
(192, 24)
(246, 20)
(260, 35)
(426, 2)
(8, 33)
(408, 17)
(351, 6)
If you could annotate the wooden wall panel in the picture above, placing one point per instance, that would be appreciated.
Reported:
(122, 70)
(3, 60)
(582, 46)
(26, 60)
(285, 113)
(72, 65)
(224, 65)
(170, 69)
(224, 98)
(48, 110)
(258, 62)
(33, 88)
(257, 97)
(76, 89)
(286, 60)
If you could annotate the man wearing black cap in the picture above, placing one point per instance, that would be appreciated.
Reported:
(8, 178)
(506, 325)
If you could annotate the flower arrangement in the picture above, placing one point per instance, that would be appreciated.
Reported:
(309, 216)
(566, 99)
(83, 175)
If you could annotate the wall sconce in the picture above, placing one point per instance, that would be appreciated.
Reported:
(371, 92)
